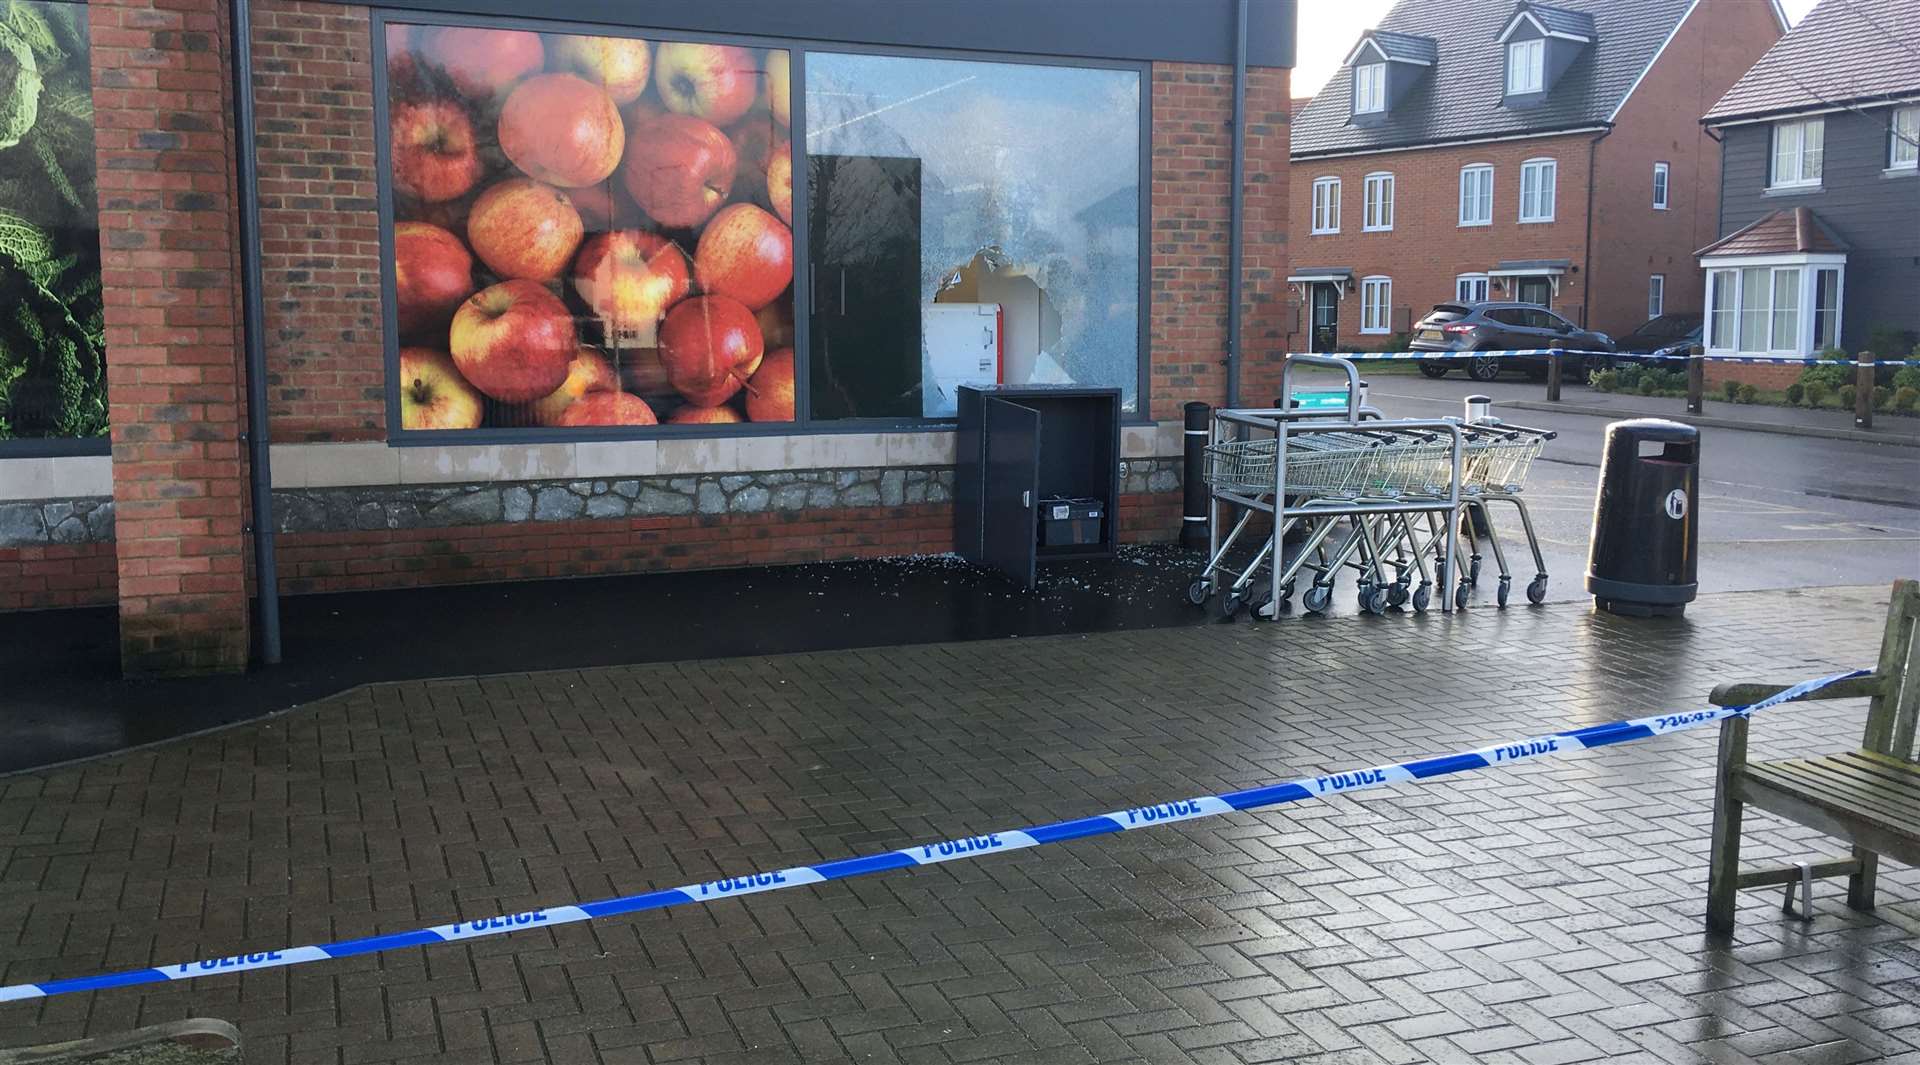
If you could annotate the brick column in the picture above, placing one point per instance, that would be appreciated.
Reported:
(168, 232)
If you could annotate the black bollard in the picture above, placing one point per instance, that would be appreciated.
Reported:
(1193, 523)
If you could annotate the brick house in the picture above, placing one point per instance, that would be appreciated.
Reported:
(416, 194)
(1517, 151)
(1819, 221)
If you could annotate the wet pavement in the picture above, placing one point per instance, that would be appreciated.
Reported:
(1547, 912)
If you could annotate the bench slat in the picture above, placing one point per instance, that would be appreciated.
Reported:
(1816, 780)
(1786, 798)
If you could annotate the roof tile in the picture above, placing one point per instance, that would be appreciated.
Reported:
(1844, 51)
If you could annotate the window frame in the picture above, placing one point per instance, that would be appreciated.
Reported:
(1332, 212)
(1656, 296)
(1376, 283)
(1546, 192)
(1371, 76)
(1476, 170)
(1897, 139)
(1378, 179)
(1533, 66)
(1803, 126)
(1806, 296)
(1484, 281)
(1662, 186)
(798, 49)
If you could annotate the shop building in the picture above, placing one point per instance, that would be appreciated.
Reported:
(624, 287)
(1514, 151)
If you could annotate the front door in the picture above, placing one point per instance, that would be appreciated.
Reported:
(1537, 291)
(1326, 318)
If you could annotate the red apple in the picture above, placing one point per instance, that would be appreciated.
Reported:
(753, 139)
(710, 345)
(521, 228)
(678, 169)
(643, 374)
(745, 253)
(432, 274)
(514, 341)
(483, 64)
(780, 182)
(434, 155)
(779, 85)
(562, 130)
(433, 395)
(620, 65)
(717, 82)
(692, 415)
(628, 279)
(770, 392)
(606, 206)
(589, 372)
(609, 408)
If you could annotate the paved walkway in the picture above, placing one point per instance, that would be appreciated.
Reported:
(1549, 913)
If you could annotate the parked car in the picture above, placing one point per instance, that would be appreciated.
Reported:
(1469, 327)
(1669, 334)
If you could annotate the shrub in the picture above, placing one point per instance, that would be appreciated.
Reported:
(1847, 394)
(1907, 377)
(1675, 380)
(1629, 377)
(1815, 391)
(1648, 385)
(1828, 372)
(1884, 339)
(1795, 392)
(1604, 380)
(1905, 398)
(1882, 398)
(1730, 389)
(1748, 393)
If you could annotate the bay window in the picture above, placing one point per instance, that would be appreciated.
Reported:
(1826, 309)
(1778, 305)
(1799, 150)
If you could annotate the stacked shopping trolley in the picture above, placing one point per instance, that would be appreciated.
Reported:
(1336, 490)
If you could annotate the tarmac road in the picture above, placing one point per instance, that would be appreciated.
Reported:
(1776, 511)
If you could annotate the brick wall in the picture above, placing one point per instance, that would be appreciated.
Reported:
(162, 95)
(57, 575)
(1192, 166)
(319, 221)
(1427, 248)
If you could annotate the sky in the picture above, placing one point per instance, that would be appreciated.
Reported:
(1328, 29)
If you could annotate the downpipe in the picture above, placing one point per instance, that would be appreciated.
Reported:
(1236, 203)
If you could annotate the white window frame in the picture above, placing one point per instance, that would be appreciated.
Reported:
(1526, 66)
(1662, 186)
(1903, 138)
(1369, 88)
(1799, 131)
(1376, 202)
(1546, 197)
(1326, 208)
(1472, 283)
(1732, 270)
(1376, 316)
(1656, 296)
(1476, 172)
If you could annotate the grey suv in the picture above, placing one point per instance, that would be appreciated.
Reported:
(1470, 327)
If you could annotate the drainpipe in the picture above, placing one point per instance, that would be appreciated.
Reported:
(253, 316)
(1236, 202)
(1586, 272)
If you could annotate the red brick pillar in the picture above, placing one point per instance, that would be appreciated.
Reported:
(168, 231)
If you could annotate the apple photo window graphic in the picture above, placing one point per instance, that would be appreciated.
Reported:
(589, 230)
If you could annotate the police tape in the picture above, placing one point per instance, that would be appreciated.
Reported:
(728, 887)
(1559, 353)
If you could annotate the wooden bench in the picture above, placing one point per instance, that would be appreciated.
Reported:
(1869, 797)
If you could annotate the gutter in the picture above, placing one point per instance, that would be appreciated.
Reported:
(1236, 203)
(253, 330)
(1586, 275)
(1454, 143)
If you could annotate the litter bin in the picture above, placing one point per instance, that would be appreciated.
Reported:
(1644, 560)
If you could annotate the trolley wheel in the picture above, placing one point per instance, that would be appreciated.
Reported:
(1230, 605)
(1505, 589)
(1460, 596)
(1397, 595)
(1258, 593)
(1317, 599)
(1537, 591)
(1473, 571)
(1482, 369)
(1432, 368)
(1199, 591)
(1421, 597)
(1286, 591)
(1375, 601)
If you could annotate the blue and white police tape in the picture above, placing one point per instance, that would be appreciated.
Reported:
(1314, 787)
(1761, 360)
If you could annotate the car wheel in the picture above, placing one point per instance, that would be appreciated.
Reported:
(1432, 368)
(1482, 369)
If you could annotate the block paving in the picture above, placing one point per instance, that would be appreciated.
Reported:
(1545, 913)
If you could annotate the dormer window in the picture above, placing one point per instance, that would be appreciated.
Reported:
(1526, 66)
(1369, 88)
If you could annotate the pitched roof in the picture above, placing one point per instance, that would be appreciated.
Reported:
(1402, 46)
(1844, 51)
(1778, 232)
(1561, 20)
(1459, 99)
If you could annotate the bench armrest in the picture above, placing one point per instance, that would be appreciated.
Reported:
(1747, 694)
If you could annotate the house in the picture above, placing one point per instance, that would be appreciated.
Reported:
(1819, 222)
(1501, 150)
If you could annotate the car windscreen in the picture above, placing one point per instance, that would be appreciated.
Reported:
(1666, 327)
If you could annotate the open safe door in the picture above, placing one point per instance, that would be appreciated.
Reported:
(1012, 489)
